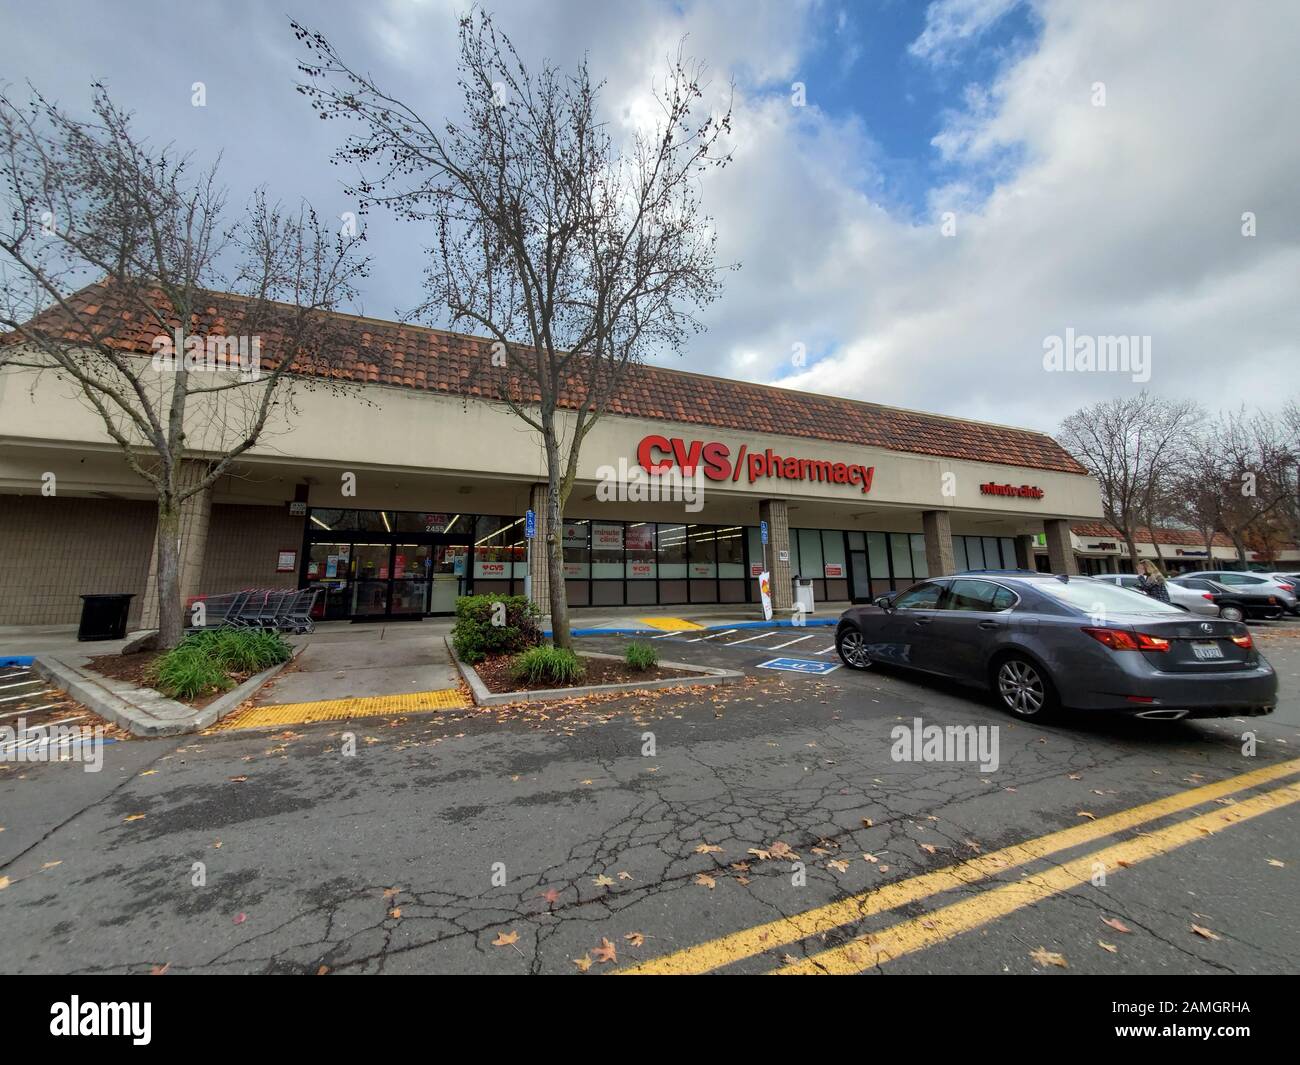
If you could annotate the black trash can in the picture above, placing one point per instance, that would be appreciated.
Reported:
(103, 617)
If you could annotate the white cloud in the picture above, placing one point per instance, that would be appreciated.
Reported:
(952, 24)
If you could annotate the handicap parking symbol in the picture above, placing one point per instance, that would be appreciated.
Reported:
(799, 665)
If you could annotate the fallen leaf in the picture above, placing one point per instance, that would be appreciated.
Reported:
(240, 918)
(238, 780)
(160, 970)
(839, 866)
(133, 817)
(929, 848)
(636, 939)
(781, 850)
(624, 875)
(1204, 933)
(505, 939)
(51, 865)
(322, 970)
(606, 952)
(1108, 946)
(1043, 956)
(4, 882)
(390, 892)
(551, 895)
(1085, 813)
(870, 858)
(761, 855)
(583, 963)
(395, 913)
(1117, 924)
(704, 880)
(708, 848)
(867, 822)
(603, 881)
(743, 881)
(1274, 861)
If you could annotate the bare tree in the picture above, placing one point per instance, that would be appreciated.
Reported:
(1131, 444)
(575, 255)
(91, 204)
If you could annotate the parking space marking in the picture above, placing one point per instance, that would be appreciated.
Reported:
(749, 942)
(909, 936)
(20, 684)
(789, 642)
(758, 636)
(712, 636)
(27, 695)
(825, 650)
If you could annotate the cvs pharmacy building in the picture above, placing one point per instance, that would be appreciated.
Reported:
(409, 488)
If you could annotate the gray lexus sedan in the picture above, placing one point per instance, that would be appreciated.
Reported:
(1041, 642)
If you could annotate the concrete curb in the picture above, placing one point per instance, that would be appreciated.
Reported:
(143, 711)
(708, 675)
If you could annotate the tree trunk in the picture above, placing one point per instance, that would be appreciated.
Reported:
(171, 623)
(1132, 548)
(555, 549)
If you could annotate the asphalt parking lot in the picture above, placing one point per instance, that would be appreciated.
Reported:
(765, 826)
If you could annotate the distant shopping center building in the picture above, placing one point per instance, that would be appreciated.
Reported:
(410, 488)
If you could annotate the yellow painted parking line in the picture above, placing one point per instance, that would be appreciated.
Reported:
(918, 933)
(670, 624)
(341, 709)
(751, 941)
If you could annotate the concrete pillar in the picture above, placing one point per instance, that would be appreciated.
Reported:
(775, 513)
(541, 576)
(939, 558)
(195, 514)
(1025, 552)
(1060, 551)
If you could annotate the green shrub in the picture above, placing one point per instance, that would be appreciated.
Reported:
(203, 661)
(188, 671)
(551, 665)
(641, 656)
(475, 636)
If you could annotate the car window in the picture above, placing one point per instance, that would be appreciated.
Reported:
(926, 597)
(1094, 597)
(1004, 599)
(971, 595)
(1189, 582)
(1240, 578)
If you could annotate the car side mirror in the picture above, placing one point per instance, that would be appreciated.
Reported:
(884, 602)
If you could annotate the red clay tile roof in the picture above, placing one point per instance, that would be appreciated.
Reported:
(1177, 537)
(407, 356)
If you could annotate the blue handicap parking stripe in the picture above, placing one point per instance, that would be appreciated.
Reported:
(799, 665)
(15, 660)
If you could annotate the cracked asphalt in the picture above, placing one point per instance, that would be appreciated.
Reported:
(448, 833)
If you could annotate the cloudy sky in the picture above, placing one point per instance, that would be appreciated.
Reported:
(965, 179)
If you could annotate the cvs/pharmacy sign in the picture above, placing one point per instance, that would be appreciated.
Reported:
(658, 454)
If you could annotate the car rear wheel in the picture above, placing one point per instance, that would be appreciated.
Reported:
(1024, 688)
(852, 648)
(1231, 613)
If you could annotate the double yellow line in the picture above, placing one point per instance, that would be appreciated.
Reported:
(918, 933)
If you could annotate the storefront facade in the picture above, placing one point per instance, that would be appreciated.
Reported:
(398, 495)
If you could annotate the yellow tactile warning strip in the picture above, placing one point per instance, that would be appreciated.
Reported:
(670, 624)
(749, 942)
(341, 709)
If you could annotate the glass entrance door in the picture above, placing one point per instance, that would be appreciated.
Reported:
(409, 594)
(448, 566)
(861, 591)
(370, 570)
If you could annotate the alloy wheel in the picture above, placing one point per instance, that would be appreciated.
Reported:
(853, 650)
(1021, 687)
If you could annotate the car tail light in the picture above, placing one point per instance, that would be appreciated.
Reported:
(1244, 641)
(1286, 587)
(1207, 595)
(1122, 640)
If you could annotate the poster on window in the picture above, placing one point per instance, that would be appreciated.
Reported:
(702, 570)
(575, 535)
(606, 537)
(641, 538)
(834, 569)
(640, 569)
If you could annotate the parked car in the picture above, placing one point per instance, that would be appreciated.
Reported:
(1198, 602)
(1036, 643)
(1285, 590)
(1236, 603)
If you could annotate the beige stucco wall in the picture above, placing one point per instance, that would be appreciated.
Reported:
(399, 444)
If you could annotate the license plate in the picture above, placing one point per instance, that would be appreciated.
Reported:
(1205, 650)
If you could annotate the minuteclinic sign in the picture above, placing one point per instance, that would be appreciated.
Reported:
(1022, 491)
(658, 454)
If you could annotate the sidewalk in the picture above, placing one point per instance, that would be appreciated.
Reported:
(592, 621)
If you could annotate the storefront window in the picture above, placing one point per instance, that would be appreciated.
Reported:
(1008, 552)
(974, 553)
(810, 553)
(833, 553)
(672, 551)
(959, 553)
(878, 556)
(606, 550)
(640, 541)
(577, 551)
(703, 550)
(498, 548)
(920, 568)
(731, 551)
(900, 547)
